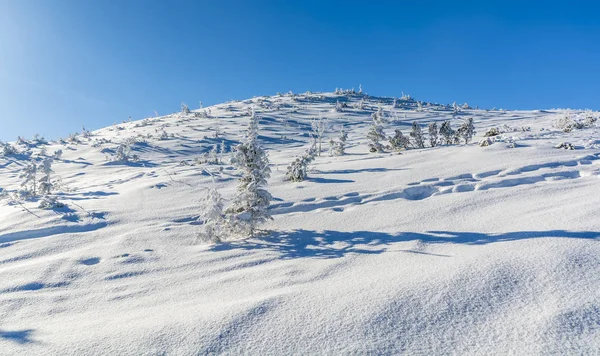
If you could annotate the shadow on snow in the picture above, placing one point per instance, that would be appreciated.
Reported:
(334, 244)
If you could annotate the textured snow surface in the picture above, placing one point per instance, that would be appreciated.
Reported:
(448, 250)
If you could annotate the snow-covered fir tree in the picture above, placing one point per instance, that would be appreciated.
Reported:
(7, 149)
(417, 135)
(360, 105)
(376, 134)
(433, 134)
(318, 129)
(466, 130)
(163, 135)
(419, 106)
(447, 133)
(213, 155)
(30, 179)
(250, 205)
(455, 108)
(222, 150)
(399, 141)
(123, 152)
(298, 169)
(339, 149)
(338, 106)
(213, 222)
(46, 183)
(85, 133)
(185, 109)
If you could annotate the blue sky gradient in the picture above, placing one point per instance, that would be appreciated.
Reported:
(67, 63)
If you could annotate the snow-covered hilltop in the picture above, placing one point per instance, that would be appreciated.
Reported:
(489, 247)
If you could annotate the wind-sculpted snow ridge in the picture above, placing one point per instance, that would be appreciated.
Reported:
(452, 249)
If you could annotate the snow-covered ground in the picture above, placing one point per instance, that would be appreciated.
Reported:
(454, 249)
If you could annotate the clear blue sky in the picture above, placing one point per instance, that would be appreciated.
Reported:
(64, 63)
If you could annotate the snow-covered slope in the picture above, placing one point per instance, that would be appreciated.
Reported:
(454, 249)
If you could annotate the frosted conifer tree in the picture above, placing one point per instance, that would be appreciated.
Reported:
(297, 170)
(29, 176)
(338, 106)
(85, 133)
(433, 134)
(250, 205)
(332, 144)
(419, 106)
(340, 147)
(185, 109)
(455, 108)
(213, 226)
(447, 133)
(213, 155)
(46, 183)
(122, 153)
(376, 134)
(467, 130)
(399, 141)
(360, 105)
(7, 149)
(417, 135)
(318, 129)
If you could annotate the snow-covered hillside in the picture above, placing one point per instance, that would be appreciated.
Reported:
(454, 249)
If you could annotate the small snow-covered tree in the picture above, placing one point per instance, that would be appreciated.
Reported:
(213, 155)
(58, 154)
(30, 180)
(417, 135)
(213, 222)
(46, 182)
(447, 133)
(163, 135)
(399, 141)
(318, 129)
(298, 169)
(338, 106)
(339, 148)
(85, 133)
(250, 205)
(185, 109)
(433, 134)
(332, 144)
(419, 106)
(455, 108)
(360, 105)
(379, 115)
(123, 152)
(467, 130)
(376, 134)
(8, 149)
